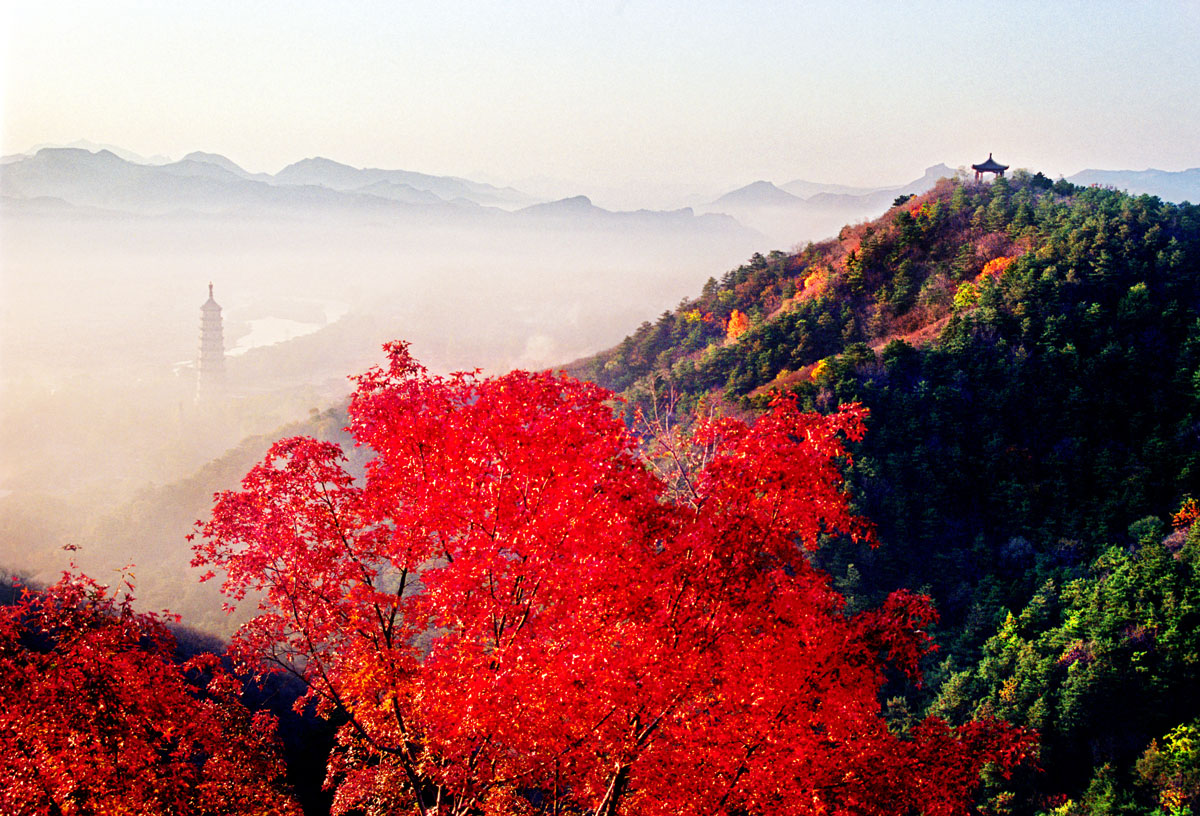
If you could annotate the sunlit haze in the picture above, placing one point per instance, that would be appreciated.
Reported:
(634, 103)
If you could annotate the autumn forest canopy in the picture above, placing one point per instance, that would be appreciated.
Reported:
(901, 522)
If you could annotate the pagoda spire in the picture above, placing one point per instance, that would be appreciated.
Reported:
(210, 368)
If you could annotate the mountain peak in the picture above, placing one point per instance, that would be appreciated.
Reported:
(79, 156)
(324, 172)
(575, 205)
(319, 161)
(215, 159)
(758, 194)
(576, 202)
(93, 147)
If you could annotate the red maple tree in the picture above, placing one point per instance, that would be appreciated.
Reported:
(514, 614)
(96, 717)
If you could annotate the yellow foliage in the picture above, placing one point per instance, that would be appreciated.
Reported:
(967, 296)
(1008, 691)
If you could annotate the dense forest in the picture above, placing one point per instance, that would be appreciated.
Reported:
(1029, 353)
(902, 522)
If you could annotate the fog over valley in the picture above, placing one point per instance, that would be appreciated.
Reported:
(106, 264)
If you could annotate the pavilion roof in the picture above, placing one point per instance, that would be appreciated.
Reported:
(990, 166)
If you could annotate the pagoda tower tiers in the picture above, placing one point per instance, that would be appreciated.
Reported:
(989, 166)
(210, 377)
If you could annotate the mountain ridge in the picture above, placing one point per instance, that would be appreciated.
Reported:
(1170, 185)
(225, 163)
(780, 214)
(757, 193)
(210, 184)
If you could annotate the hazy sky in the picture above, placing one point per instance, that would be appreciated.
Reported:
(690, 95)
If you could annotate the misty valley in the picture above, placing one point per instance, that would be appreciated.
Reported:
(101, 322)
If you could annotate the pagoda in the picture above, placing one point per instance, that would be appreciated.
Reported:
(210, 369)
(989, 166)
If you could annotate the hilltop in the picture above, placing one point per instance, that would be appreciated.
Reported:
(894, 276)
(1026, 348)
(1029, 352)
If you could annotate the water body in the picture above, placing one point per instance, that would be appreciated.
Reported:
(267, 331)
(270, 330)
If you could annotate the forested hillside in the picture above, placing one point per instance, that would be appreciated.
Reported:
(1029, 353)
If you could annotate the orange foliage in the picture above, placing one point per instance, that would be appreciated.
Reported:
(1189, 511)
(996, 266)
(737, 326)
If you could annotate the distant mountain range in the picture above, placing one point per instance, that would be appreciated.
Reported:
(758, 194)
(1180, 186)
(211, 183)
(93, 147)
(89, 177)
(808, 189)
(805, 208)
(800, 193)
(222, 162)
(336, 176)
(73, 179)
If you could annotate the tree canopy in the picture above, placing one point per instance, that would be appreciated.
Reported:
(97, 716)
(514, 614)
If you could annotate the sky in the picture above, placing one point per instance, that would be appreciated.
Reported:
(651, 98)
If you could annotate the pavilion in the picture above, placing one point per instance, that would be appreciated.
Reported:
(989, 166)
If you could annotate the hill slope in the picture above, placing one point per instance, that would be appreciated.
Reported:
(1030, 355)
(1009, 338)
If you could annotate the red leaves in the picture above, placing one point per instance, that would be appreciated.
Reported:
(95, 717)
(779, 480)
(897, 629)
(516, 616)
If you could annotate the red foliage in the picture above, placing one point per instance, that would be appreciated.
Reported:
(95, 716)
(993, 245)
(516, 616)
